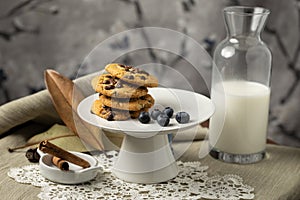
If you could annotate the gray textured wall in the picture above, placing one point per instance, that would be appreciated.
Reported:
(40, 34)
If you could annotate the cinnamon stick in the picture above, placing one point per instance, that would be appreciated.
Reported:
(60, 163)
(47, 147)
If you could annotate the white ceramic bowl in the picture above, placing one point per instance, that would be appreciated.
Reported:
(75, 175)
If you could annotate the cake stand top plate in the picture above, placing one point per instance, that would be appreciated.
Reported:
(199, 107)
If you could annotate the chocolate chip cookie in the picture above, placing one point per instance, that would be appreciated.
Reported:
(112, 86)
(146, 101)
(111, 114)
(132, 75)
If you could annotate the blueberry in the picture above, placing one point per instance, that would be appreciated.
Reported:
(155, 113)
(182, 117)
(168, 111)
(144, 117)
(163, 119)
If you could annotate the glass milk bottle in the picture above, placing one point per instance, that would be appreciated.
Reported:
(241, 88)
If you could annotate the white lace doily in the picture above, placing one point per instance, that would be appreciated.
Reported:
(192, 182)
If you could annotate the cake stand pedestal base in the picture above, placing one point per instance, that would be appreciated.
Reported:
(145, 160)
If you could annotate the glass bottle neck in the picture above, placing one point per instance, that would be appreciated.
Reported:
(245, 21)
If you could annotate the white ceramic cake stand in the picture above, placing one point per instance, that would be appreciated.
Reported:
(145, 155)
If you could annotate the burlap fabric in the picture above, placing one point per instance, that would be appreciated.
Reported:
(37, 107)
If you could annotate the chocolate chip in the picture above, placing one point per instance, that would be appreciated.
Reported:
(140, 71)
(106, 108)
(122, 65)
(106, 82)
(129, 77)
(110, 117)
(143, 72)
(143, 77)
(114, 81)
(134, 70)
(127, 68)
(109, 87)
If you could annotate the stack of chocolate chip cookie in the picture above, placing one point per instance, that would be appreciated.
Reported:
(123, 92)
